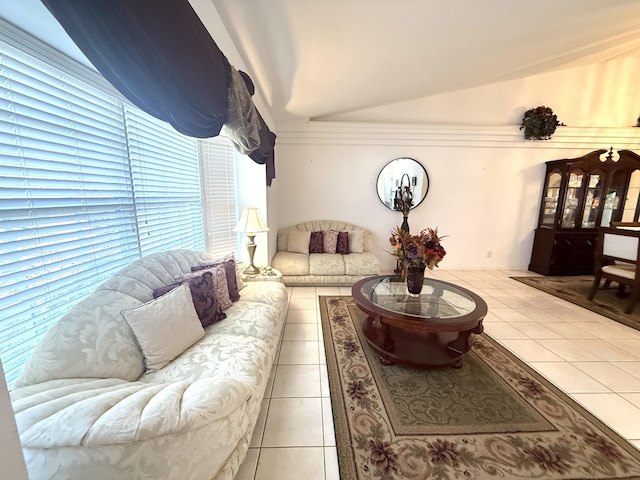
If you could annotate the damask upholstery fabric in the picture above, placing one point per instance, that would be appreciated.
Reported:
(227, 258)
(298, 269)
(289, 263)
(326, 264)
(330, 241)
(165, 327)
(232, 281)
(79, 417)
(361, 264)
(219, 285)
(220, 288)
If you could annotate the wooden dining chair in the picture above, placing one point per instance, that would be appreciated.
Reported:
(617, 260)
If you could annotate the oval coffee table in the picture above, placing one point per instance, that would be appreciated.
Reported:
(429, 330)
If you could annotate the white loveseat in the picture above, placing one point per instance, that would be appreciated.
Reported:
(86, 408)
(303, 268)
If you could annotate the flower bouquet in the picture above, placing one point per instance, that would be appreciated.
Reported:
(422, 250)
(415, 253)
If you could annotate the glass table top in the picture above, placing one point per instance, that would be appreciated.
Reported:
(437, 299)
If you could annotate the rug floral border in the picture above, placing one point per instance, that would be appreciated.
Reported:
(580, 446)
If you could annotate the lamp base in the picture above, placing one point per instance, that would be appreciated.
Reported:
(251, 248)
(251, 270)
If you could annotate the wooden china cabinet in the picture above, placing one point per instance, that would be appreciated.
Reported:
(579, 195)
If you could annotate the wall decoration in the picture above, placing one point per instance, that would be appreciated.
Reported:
(539, 123)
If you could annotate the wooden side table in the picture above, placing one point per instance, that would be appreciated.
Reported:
(267, 274)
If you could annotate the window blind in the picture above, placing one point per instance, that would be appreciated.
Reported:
(88, 184)
(166, 184)
(219, 187)
(66, 206)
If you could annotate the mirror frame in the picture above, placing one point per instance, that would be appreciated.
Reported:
(395, 172)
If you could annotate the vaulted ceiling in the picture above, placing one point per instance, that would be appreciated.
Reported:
(333, 59)
(318, 59)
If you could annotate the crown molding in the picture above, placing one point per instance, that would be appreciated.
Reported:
(456, 136)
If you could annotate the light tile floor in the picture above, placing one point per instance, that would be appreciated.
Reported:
(593, 359)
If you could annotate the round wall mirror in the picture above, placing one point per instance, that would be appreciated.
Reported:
(402, 178)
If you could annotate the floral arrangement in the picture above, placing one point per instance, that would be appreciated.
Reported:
(539, 123)
(422, 250)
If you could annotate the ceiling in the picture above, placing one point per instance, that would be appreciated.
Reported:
(335, 59)
(323, 59)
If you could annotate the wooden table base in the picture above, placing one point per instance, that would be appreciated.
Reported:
(417, 349)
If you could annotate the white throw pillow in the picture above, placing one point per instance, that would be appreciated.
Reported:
(165, 327)
(298, 242)
(356, 241)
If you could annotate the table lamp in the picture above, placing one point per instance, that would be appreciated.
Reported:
(251, 223)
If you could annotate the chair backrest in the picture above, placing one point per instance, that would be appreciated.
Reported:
(626, 225)
(622, 247)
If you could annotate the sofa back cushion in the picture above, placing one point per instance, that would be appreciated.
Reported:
(321, 225)
(92, 340)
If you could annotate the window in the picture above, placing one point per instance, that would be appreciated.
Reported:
(88, 184)
(218, 164)
(166, 184)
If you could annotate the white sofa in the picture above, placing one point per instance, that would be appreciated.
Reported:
(299, 268)
(86, 407)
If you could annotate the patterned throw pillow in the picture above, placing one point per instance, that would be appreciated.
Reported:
(220, 288)
(207, 306)
(230, 270)
(342, 245)
(330, 240)
(315, 243)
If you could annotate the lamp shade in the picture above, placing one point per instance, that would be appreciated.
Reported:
(251, 221)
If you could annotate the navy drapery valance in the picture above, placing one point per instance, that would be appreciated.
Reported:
(160, 56)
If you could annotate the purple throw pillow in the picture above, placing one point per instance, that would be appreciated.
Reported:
(230, 271)
(316, 243)
(342, 245)
(207, 306)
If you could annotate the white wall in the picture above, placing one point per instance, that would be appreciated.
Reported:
(485, 179)
(485, 183)
(252, 193)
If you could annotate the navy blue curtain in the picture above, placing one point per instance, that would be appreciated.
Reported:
(160, 56)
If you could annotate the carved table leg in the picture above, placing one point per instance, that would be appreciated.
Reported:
(385, 360)
(462, 344)
(383, 338)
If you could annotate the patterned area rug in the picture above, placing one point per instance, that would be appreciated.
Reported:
(575, 290)
(492, 418)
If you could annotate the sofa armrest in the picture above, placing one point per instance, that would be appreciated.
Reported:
(92, 412)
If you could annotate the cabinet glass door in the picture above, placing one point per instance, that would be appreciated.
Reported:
(592, 201)
(612, 198)
(551, 196)
(572, 199)
(631, 202)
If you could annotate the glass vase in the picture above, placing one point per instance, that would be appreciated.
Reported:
(415, 278)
